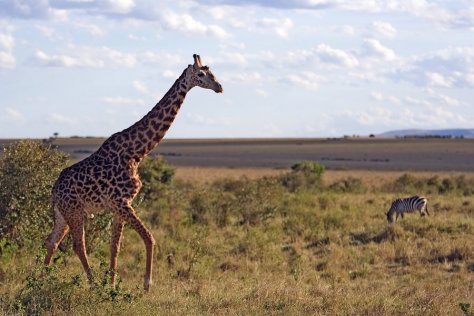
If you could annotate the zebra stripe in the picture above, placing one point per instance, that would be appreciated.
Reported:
(407, 205)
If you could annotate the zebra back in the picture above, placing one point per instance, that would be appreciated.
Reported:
(407, 205)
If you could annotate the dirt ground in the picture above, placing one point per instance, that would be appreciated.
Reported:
(336, 154)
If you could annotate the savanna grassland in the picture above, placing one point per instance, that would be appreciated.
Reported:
(248, 241)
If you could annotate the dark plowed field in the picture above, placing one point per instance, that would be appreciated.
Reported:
(357, 153)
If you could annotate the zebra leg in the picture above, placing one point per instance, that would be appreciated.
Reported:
(401, 214)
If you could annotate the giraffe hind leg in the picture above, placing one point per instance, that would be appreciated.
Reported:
(60, 230)
(78, 241)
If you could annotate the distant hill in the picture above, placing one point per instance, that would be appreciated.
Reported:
(458, 132)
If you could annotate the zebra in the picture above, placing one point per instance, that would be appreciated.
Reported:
(407, 205)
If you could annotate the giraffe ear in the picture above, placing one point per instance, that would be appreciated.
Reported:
(197, 61)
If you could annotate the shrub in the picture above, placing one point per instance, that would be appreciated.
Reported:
(28, 169)
(303, 175)
(53, 293)
(199, 204)
(347, 185)
(404, 183)
(156, 175)
(249, 201)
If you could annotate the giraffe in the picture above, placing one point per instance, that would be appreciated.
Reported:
(108, 178)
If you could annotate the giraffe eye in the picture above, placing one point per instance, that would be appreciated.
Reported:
(201, 74)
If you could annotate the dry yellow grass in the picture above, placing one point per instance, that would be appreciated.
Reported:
(371, 178)
(319, 253)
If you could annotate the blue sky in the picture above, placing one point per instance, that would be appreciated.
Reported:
(302, 68)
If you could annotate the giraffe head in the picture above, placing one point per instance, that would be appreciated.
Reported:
(201, 76)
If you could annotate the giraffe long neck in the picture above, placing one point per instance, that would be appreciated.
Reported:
(135, 142)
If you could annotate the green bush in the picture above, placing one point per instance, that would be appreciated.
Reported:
(307, 167)
(28, 169)
(54, 292)
(156, 175)
(405, 183)
(303, 175)
(408, 183)
(243, 200)
(347, 185)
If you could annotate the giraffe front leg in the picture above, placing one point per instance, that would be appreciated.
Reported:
(127, 213)
(117, 229)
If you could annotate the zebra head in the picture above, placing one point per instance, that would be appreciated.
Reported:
(391, 212)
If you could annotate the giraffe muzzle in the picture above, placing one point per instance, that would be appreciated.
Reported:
(219, 88)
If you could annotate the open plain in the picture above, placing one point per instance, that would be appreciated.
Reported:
(384, 154)
(239, 232)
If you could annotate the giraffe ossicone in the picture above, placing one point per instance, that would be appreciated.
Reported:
(108, 178)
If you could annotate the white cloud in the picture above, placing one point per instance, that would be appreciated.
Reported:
(307, 80)
(407, 117)
(281, 27)
(217, 32)
(445, 99)
(140, 86)
(120, 6)
(42, 59)
(377, 96)
(450, 67)
(199, 119)
(92, 29)
(187, 25)
(47, 31)
(345, 29)
(243, 77)
(261, 93)
(7, 41)
(384, 28)
(170, 74)
(373, 47)
(417, 102)
(30, 9)
(122, 100)
(393, 99)
(99, 57)
(335, 56)
(456, 16)
(12, 115)
(161, 57)
(7, 60)
(56, 118)
(437, 79)
(6, 27)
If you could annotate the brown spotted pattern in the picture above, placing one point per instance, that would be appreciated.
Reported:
(108, 179)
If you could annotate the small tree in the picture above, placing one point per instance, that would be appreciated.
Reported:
(303, 175)
(156, 175)
(28, 169)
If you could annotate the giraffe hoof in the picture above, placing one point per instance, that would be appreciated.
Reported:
(147, 285)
